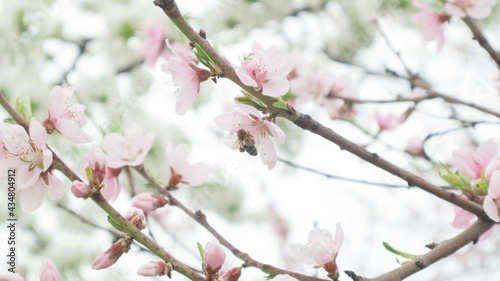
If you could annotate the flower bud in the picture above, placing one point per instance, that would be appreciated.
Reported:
(155, 268)
(49, 272)
(112, 254)
(232, 275)
(136, 217)
(81, 190)
(214, 258)
(149, 202)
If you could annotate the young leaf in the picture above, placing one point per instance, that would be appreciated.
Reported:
(455, 179)
(202, 252)
(23, 107)
(397, 252)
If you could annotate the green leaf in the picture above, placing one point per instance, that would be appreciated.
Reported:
(10, 121)
(456, 179)
(90, 174)
(397, 252)
(117, 225)
(202, 252)
(206, 60)
(23, 107)
(251, 100)
(280, 103)
(482, 185)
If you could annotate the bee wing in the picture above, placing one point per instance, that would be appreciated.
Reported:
(231, 141)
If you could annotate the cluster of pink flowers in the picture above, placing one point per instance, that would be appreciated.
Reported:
(245, 117)
(310, 84)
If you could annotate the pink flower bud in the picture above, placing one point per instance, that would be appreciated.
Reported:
(155, 268)
(136, 217)
(49, 272)
(214, 257)
(112, 254)
(148, 201)
(232, 275)
(81, 190)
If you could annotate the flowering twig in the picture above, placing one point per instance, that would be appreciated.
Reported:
(199, 217)
(306, 122)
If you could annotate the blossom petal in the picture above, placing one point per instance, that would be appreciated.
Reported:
(37, 133)
(268, 153)
(276, 87)
(245, 78)
(15, 138)
(196, 174)
(55, 187)
(280, 66)
(186, 97)
(32, 198)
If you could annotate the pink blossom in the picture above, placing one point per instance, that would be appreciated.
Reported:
(463, 218)
(148, 201)
(214, 257)
(477, 9)
(81, 189)
(309, 84)
(152, 48)
(430, 22)
(321, 247)
(97, 161)
(129, 149)
(185, 74)
(111, 255)
(49, 272)
(471, 163)
(66, 117)
(9, 276)
(266, 73)
(492, 200)
(154, 268)
(246, 117)
(31, 158)
(386, 122)
(181, 170)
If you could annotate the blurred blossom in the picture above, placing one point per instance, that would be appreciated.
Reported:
(492, 200)
(66, 117)
(430, 22)
(111, 255)
(471, 163)
(214, 257)
(181, 170)
(31, 158)
(185, 74)
(476, 9)
(321, 249)
(49, 272)
(153, 46)
(155, 268)
(245, 117)
(415, 147)
(386, 122)
(267, 73)
(129, 149)
(9, 276)
(148, 201)
(97, 161)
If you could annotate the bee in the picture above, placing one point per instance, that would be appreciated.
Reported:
(247, 142)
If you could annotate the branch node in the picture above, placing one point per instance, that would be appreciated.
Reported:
(432, 245)
(419, 263)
